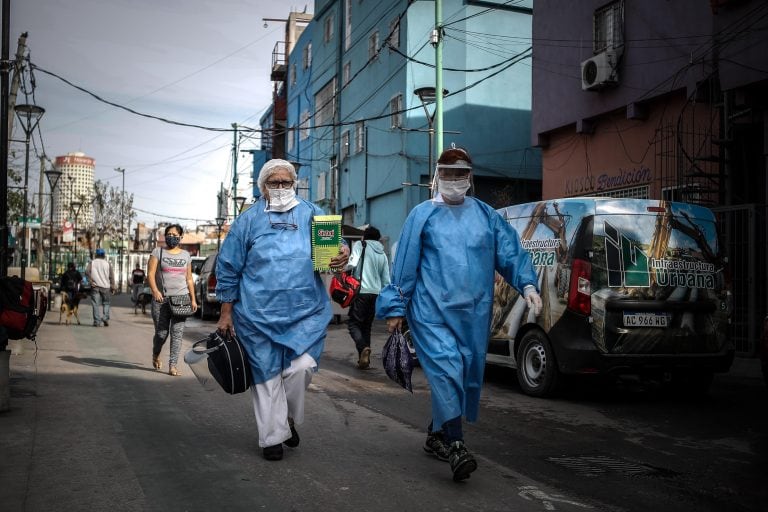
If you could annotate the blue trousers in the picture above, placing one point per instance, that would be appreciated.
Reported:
(100, 299)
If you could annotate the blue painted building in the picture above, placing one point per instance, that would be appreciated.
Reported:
(361, 134)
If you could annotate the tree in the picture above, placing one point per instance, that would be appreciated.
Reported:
(107, 219)
(15, 195)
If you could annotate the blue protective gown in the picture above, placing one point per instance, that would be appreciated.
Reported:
(442, 282)
(280, 306)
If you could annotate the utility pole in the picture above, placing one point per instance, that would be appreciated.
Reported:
(234, 167)
(437, 42)
(16, 81)
(122, 228)
(40, 237)
(4, 71)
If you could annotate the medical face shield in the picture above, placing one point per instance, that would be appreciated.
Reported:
(445, 174)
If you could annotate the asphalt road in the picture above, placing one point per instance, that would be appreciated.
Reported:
(93, 427)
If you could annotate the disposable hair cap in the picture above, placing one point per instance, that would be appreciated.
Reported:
(270, 167)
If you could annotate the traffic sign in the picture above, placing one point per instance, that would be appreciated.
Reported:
(31, 222)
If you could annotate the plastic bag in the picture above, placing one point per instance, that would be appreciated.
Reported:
(397, 359)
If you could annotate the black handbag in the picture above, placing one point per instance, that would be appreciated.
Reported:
(227, 362)
(181, 305)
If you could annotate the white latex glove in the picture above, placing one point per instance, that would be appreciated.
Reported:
(533, 300)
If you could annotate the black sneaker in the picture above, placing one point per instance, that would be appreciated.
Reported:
(435, 445)
(106, 324)
(294, 440)
(462, 462)
(274, 452)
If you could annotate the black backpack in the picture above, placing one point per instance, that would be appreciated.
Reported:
(22, 307)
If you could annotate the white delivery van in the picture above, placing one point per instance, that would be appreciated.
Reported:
(629, 286)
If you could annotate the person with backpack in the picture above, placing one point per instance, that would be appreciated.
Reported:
(102, 278)
(370, 265)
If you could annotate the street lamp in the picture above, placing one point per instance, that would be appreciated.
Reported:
(122, 227)
(75, 209)
(219, 222)
(239, 202)
(29, 116)
(53, 176)
(427, 95)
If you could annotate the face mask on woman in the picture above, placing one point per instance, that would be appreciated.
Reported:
(172, 241)
(282, 199)
(453, 190)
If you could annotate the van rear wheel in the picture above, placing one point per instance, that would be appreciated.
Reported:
(537, 370)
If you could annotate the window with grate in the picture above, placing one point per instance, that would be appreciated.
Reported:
(290, 136)
(344, 150)
(328, 29)
(303, 188)
(347, 24)
(608, 27)
(307, 56)
(641, 192)
(304, 133)
(394, 33)
(690, 193)
(359, 136)
(346, 73)
(321, 179)
(325, 104)
(395, 111)
(373, 46)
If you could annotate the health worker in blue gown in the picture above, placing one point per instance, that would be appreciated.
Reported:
(275, 302)
(442, 283)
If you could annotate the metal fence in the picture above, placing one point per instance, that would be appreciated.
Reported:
(741, 238)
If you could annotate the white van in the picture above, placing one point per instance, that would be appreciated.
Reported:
(629, 286)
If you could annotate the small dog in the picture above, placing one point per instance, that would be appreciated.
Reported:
(68, 310)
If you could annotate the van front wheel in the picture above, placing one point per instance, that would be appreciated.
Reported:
(537, 370)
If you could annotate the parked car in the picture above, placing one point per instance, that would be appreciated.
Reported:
(629, 286)
(197, 264)
(205, 289)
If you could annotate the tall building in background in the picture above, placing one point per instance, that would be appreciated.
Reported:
(75, 184)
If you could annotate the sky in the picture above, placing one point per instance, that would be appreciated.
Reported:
(192, 61)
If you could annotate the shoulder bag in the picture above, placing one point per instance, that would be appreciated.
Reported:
(181, 305)
(345, 286)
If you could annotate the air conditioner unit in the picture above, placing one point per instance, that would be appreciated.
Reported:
(600, 71)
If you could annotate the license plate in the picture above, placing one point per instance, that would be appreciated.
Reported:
(645, 319)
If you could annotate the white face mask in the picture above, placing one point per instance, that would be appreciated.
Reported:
(282, 199)
(453, 190)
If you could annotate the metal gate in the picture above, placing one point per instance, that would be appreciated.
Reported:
(738, 233)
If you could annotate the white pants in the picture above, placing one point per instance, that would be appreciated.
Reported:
(280, 398)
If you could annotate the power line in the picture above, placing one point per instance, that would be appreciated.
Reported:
(132, 111)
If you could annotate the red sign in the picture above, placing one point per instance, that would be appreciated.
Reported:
(67, 232)
(74, 160)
